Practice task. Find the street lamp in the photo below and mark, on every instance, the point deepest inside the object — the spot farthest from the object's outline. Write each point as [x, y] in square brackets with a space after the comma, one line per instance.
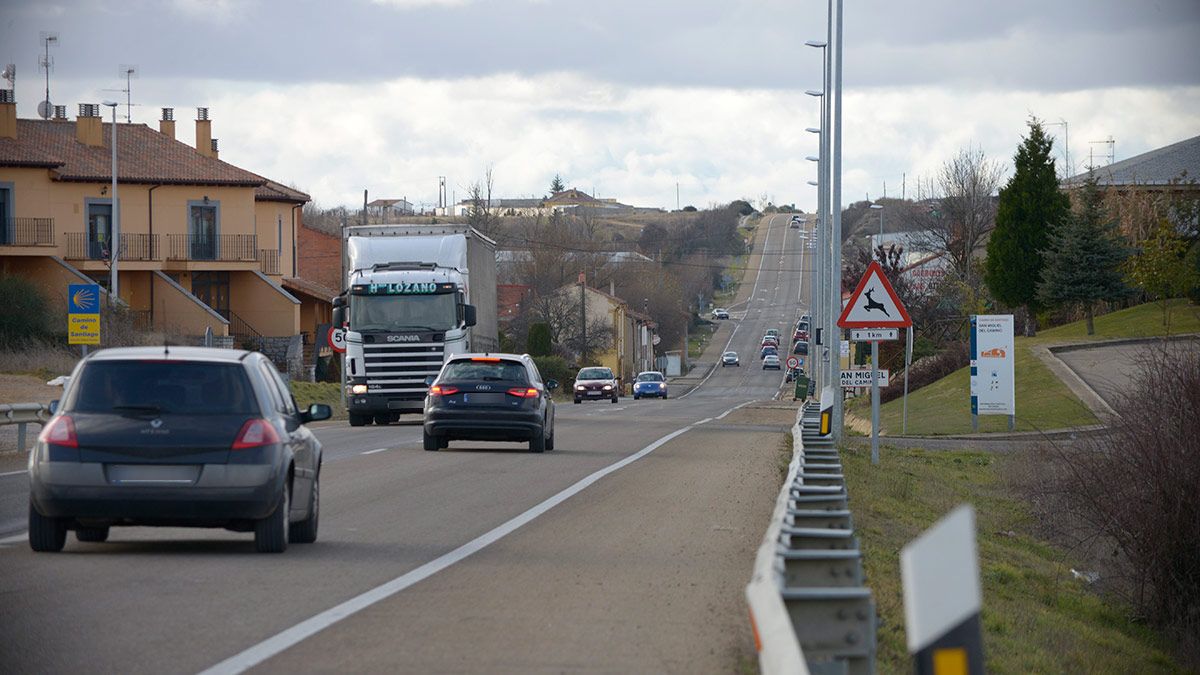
[115, 226]
[879, 208]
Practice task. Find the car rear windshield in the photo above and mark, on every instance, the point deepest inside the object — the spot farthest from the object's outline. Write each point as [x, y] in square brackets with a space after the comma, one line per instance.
[650, 377]
[156, 387]
[595, 374]
[489, 371]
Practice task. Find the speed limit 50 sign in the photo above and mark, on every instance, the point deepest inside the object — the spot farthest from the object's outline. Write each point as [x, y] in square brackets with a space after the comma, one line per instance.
[337, 339]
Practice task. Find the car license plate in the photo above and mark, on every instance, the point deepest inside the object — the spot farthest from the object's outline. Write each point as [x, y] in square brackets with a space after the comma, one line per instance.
[594, 393]
[483, 399]
[162, 474]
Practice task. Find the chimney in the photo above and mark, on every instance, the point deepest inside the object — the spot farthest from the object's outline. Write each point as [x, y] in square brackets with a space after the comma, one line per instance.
[215, 155]
[203, 132]
[8, 114]
[89, 130]
[60, 113]
[166, 126]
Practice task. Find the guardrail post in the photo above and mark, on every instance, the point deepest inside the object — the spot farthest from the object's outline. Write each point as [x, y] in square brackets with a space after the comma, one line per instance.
[21, 437]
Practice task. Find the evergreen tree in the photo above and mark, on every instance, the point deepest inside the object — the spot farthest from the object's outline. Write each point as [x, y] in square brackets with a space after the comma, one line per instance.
[556, 185]
[1083, 262]
[538, 340]
[1029, 210]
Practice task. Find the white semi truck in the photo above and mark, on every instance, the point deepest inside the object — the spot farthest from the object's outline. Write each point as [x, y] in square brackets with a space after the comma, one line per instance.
[414, 295]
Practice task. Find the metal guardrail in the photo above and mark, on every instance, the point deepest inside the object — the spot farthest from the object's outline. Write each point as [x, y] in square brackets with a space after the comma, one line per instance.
[808, 606]
[22, 414]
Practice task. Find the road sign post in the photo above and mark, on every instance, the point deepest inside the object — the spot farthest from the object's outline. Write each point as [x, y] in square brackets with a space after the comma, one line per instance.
[83, 315]
[874, 306]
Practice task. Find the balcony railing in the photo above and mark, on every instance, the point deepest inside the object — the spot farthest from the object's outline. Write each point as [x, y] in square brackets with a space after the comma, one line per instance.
[270, 260]
[26, 231]
[221, 248]
[134, 246]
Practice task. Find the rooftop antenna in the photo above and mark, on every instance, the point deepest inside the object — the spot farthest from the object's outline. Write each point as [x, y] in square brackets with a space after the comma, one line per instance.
[1110, 153]
[47, 64]
[129, 73]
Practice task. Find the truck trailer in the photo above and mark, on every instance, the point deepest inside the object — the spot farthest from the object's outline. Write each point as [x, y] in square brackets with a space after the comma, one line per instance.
[413, 296]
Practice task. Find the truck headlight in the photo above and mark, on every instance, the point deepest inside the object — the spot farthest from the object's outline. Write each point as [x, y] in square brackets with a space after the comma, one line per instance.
[358, 389]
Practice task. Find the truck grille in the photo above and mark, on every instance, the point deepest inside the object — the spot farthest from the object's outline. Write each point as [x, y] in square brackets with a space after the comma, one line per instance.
[401, 369]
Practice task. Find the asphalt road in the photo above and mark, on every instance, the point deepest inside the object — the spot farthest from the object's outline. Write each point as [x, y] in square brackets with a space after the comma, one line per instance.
[1108, 369]
[624, 550]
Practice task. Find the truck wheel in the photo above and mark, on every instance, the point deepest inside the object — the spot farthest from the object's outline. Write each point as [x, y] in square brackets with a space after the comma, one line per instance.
[430, 442]
[357, 420]
[46, 534]
[383, 419]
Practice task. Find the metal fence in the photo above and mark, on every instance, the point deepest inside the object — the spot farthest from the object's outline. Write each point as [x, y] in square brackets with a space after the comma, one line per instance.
[134, 246]
[22, 414]
[810, 609]
[270, 260]
[26, 231]
[223, 247]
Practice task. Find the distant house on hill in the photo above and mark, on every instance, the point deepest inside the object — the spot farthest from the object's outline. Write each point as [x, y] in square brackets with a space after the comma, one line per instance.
[567, 200]
[383, 208]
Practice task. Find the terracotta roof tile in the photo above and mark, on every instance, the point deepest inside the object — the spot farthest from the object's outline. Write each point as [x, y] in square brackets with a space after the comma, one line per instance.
[276, 192]
[310, 288]
[143, 156]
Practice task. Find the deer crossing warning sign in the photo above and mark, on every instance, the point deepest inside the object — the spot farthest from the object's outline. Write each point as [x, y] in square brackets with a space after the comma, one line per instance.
[874, 303]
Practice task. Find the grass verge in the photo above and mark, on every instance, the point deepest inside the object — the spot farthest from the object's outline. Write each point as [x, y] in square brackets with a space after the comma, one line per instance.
[1036, 616]
[329, 393]
[1043, 401]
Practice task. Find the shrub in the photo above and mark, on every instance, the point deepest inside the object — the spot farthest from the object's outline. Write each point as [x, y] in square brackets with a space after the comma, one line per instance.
[25, 312]
[927, 370]
[538, 341]
[1135, 486]
[555, 368]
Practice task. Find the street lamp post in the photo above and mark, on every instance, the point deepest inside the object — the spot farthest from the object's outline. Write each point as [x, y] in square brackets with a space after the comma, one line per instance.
[834, 110]
[818, 355]
[115, 226]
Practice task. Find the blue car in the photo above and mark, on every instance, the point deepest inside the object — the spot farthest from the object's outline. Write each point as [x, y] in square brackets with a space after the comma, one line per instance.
[650, 383]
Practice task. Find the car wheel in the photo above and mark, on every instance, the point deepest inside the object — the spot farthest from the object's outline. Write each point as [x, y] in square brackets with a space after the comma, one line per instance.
[431, 442]
[664, 396]
[443, 442]
[614, 399]
[383, 420]
[97, 535]
[46, 534]
[538, 442]
[271, 533]
[577, 401]
[550, 440]
[636, 397]
[305, 531]
[357, 420]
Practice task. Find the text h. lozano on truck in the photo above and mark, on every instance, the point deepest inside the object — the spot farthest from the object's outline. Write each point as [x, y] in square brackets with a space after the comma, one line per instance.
[415, 295]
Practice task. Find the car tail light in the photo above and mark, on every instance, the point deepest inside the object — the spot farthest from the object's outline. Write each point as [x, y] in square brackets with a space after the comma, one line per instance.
[485, 359]
[60, 431]
[522, 392]
[442, 390]
[256, 433]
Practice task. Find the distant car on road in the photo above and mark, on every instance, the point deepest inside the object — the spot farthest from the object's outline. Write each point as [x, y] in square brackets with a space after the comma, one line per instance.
[768, 351]
[650, 383]
[770, 341]
[770, 362]
[773, 332]
[800, 348]
[720, 313]
[796, 221]
[181, 437]
[800, 336]
[489, 397]
[730, 359]
[596, 383]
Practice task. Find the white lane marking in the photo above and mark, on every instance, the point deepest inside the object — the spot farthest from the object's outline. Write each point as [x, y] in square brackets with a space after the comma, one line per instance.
[372, 452]
[757, 276]
[24, 536]
[281, 641]
[743, 405]
[15, 473]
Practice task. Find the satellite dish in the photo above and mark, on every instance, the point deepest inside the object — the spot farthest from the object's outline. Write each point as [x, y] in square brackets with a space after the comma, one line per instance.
[10, 73]
[45, 109]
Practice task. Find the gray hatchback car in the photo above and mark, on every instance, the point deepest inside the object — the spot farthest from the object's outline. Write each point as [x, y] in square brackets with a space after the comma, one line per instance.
[176, 436]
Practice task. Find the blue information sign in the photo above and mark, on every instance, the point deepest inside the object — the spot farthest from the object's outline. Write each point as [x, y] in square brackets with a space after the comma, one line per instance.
[83, 314]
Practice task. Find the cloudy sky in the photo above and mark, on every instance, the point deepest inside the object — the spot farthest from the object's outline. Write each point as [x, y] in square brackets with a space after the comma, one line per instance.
[621, 97]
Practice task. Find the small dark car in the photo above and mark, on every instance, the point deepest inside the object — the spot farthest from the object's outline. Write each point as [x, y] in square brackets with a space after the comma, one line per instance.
[596, 383]
[176, 436]
[490, 397]
[768, 351]
[800, 348]
[730, 359]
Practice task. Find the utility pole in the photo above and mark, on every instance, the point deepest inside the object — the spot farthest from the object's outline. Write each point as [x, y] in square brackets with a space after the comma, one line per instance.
[364, 213]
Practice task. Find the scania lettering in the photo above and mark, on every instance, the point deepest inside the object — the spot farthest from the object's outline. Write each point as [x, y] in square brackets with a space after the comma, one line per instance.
[415, 295]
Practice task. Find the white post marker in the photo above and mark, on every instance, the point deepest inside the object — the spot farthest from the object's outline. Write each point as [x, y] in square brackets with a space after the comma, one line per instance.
[942, 597]
[874, 305]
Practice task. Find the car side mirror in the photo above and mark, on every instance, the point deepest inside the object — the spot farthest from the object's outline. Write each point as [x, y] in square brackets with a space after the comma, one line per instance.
[552, 384]
[317, 412]
[53, 406]
[429, 381]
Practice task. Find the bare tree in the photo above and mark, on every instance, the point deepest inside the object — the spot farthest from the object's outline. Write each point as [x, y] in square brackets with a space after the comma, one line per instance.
[479, 213]
[965, 210]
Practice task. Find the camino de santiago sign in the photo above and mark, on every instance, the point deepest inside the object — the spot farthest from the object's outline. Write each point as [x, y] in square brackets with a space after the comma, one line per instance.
[992, 357]
[83, 314]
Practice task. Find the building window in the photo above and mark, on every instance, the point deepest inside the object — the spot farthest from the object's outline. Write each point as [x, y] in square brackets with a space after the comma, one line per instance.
[204, 230]
[99, 229]
[212, 288]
